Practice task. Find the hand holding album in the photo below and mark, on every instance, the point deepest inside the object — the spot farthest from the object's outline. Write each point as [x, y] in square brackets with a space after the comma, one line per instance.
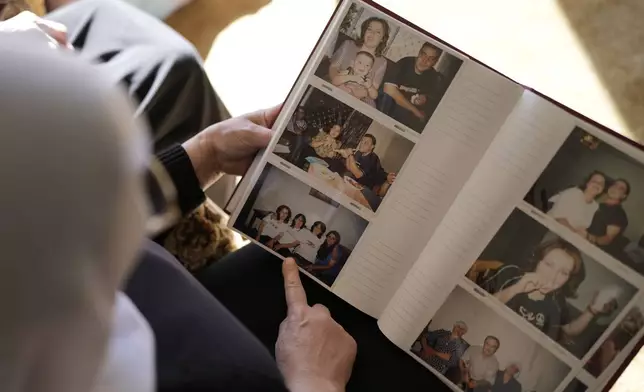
[466, 178]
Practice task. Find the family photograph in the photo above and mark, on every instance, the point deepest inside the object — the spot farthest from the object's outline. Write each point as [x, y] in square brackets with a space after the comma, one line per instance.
[343, 148]
[294, 220]
[384, 65]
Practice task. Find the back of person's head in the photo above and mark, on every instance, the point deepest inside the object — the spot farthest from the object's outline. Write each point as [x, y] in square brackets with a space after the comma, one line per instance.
[72, 207]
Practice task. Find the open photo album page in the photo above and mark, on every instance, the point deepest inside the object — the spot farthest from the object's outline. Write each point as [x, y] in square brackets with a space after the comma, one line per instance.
[395, 155]
[386, 124]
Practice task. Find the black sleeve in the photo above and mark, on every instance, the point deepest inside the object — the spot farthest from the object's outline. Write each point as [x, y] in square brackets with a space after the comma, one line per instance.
[179, 167]
[619, 219]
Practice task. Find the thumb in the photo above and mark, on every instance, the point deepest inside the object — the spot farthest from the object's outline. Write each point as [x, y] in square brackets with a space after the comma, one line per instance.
[258, 137]
[265, 118]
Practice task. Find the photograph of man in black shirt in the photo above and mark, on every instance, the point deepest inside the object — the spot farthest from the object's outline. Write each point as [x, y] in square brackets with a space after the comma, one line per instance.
[363, 165]
[413, 88]
[610, 220]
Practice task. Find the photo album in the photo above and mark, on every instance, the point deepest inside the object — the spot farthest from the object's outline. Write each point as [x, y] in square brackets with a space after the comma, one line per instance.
[494, 235]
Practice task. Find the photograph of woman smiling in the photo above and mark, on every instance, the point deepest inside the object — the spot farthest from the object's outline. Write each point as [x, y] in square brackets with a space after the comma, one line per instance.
[310, 242]
[284, 243]
[374, 35]
[538, 292]
[575, 207]
[273, 224]
[327, 264]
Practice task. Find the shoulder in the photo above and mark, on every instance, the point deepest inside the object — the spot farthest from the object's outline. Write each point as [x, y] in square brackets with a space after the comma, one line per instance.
[504, 277]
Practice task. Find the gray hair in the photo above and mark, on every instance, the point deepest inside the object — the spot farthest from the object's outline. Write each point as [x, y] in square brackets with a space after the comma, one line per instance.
[461, 324]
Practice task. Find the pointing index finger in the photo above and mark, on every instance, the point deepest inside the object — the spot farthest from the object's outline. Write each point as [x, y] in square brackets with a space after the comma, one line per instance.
[295, 294]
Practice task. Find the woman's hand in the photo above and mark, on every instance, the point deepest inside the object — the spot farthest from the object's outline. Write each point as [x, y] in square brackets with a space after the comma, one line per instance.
[528, 283]
[313, 352]
[229, 146]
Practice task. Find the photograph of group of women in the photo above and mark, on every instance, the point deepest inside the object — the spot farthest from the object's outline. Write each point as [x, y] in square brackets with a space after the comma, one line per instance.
[294, 220]
[596, 191]
[342, 147]
[550, 283]
[389, 68]
[479, 351]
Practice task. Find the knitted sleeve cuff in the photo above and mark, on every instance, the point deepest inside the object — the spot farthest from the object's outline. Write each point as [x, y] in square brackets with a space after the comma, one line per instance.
[178, 165]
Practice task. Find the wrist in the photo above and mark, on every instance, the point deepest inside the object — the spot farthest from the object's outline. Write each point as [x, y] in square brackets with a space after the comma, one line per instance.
[203, 160]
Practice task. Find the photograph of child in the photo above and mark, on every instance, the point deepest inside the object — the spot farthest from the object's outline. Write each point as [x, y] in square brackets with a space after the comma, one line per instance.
[616, 342]
[550, 283]
[596, 191]
[292, 219]
[386, 66]
[479, 351]
[342, 147]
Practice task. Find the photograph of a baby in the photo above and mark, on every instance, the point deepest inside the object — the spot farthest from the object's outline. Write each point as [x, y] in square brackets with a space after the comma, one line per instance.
[343, 148]
[294, 220]
[593, 189]
[550, 283]
[382, 64]
[356, 79]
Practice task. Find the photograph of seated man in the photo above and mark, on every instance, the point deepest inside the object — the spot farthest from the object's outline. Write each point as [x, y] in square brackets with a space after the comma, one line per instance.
[505, 379]
[550, 284]
[299, 134]
[590, 188]
[443, 348]
[483, 352]
[383, 64]
[350, 152]
[292, 219]
[479, 365]
[412, 88]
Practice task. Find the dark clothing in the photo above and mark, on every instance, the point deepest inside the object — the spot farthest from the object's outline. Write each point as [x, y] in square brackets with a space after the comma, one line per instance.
[199, 344]
[373, 173]
[403, 75]
[610, 215]
[158, 68]
[499, 386]
[249, 283]
[548, 315]
[440, 341]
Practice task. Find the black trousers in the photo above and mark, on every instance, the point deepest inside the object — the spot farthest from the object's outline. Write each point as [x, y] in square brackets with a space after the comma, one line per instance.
[158, 68]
